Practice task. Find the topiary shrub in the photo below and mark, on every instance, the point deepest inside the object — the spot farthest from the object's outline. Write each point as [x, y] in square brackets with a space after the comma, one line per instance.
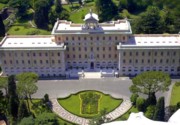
[134, 98]
[140, 104]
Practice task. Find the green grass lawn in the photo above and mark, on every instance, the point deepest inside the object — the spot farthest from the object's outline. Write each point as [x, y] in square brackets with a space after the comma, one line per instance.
[72, 104]
[23, 30]
[77, 13]
[175, 95]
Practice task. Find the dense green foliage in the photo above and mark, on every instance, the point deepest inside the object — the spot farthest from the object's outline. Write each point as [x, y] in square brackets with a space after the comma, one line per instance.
[106, 9]
[140, 104]
[58, 6]
[133, 98]
[150, 110]
[42, 8]
[22, 110]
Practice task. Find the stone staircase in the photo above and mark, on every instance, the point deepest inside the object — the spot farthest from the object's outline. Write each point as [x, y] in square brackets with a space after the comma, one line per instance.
[92, 75]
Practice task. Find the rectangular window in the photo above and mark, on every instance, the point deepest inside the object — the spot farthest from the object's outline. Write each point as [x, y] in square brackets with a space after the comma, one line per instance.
[39, 54]
[52, 61]
[103, 48]
[59, 61]
[17, 62]
[34, 54]
[137, 53]
[97, 48]
[22, 61]
[79, 48]
[73, 49]
[58, 54]
[46, 54]
[34, 61]
[28, 61]
[79, 56]
[103, 56]
[41, 62]
[46, 61]
[109, 48]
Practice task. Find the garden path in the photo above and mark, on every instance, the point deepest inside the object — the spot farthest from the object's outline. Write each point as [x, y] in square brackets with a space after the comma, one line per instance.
[58, 109]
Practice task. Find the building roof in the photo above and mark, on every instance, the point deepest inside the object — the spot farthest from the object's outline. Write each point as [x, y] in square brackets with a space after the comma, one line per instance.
[29, 42]
[112, 27]
[91, 16]
[152, 41]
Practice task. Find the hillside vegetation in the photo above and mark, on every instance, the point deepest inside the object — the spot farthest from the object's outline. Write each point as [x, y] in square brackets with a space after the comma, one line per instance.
[146, 16]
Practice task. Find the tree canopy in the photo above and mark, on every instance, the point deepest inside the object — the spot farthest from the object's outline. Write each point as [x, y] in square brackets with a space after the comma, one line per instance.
[26, 84]
[149, 22]
[150, 82]
[42, 8]
[106, 9]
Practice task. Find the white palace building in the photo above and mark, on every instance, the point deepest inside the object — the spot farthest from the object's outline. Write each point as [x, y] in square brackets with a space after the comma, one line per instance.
[109, 48]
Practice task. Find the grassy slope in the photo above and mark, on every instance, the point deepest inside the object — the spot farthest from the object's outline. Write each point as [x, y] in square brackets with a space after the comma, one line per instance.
[175, 95]
[22, 30]
[72, 104]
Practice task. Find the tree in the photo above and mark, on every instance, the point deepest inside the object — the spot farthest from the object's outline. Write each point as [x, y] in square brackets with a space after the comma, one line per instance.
[150, 82]
[4, 84]
[140, 104]
[160, 110]
[42, 8]
[149, 22]
[58, 6]
[151, 100]
[20, 5]
[106, 9]
[80, 2]
[133, 98]
[122, 5]
[22, 111]
[150, 111]
[13, 98]
[26, 85]
[2, 27]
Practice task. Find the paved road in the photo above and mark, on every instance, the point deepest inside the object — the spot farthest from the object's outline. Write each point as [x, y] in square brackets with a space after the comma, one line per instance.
[117, 87]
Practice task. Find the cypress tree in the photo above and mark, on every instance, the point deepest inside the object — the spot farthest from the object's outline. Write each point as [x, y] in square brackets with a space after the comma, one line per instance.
[2, 27]
[13, 98]
[160, 110]
[22, 111]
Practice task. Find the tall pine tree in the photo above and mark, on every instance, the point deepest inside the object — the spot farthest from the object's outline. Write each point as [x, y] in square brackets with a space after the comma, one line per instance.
[2, 27]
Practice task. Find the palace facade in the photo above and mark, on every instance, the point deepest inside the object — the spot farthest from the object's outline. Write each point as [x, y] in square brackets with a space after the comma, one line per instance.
[108, 47]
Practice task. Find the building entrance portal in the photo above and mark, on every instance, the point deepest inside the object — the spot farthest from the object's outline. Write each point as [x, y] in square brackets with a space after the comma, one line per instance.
[92, 65]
